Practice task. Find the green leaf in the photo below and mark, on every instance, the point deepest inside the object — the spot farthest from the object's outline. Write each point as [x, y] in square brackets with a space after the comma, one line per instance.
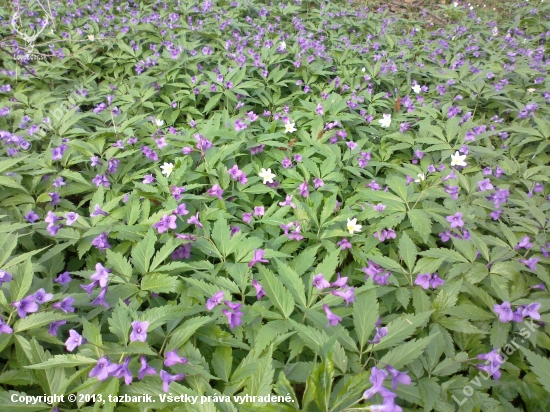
[143, 252]
[420, 222]
[119, 263]
[222, 361]
[160, 283]
[540, 366]
[22, 280]
[65, 361]
[430, 391]
[277, 294]
[459, 325]
[365, 315]
[37, 320]
[302, 262]
[407, 250]
[292, 281]
[221, 234]
[164, 252]
[186, 330]
[447, 254]
[406, 353]
[120, 322]
[402, 328]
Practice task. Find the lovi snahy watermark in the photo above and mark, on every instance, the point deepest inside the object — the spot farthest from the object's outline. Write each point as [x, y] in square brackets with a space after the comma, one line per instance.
[29, 39]
[493, 361]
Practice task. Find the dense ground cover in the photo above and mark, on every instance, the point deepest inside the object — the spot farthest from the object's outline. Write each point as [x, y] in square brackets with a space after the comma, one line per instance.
[310, 200]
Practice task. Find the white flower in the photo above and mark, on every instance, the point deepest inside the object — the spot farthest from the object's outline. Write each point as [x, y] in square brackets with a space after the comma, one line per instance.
[167, 169]
[385, 122]
[353, 226]
[454, 4]
[363, 70]
[416, 88]
[494, 32]
[91, 37]
[289, 127]
[421, 176]
[266, 175]
[283, 45]
[458, 160]
[531, 90]
[159, 122]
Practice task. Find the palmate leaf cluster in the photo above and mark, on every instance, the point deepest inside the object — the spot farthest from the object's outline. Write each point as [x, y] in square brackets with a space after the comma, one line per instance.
[161, 62]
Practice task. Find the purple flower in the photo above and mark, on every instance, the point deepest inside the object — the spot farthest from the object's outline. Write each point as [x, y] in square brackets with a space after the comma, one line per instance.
[344, 244]
[101, 242]
[5, 277]
[380, 333]
[183, 252]
[320, 282]
[234, 318]
[331, 317]
[317, 183]
[259, 211]
[258, 257]
[181, 210]
[398, 377]
[485, 185]
[101, 275]
[288, 202]
[259, 289]
[524, 243]
[54, 326]
[172, 358]
[303, 188]
[145, 369]
[71, 218]
[5, 328]
[216, 191]
[103, 369]
[31, 217]
[195, 220]
[215, 300]
[40, 296]
[346, 294]
[531, 310]
[65, 305]
[165, 223]
[123, 371]
[97, 211]
[139, 331]
[436, 281]
[247, 217]
[455, 220]
[377, 377]
[531, 263]
[423, 280]
[167, 379]
[75, 340]
[504, 312]
[25, 306]
[100, 299]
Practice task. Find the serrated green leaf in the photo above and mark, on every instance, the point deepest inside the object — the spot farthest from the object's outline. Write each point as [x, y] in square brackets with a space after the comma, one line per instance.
[407, 250]
[409, 351]
[276, 292]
